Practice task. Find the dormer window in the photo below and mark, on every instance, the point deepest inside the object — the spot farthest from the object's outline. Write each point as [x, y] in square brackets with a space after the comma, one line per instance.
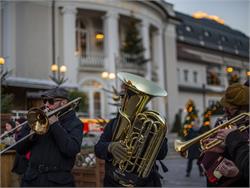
[224, 38]
[206, 34]
[188, 28]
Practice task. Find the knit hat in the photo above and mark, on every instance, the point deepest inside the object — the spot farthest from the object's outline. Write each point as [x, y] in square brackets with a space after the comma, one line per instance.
[236, 95]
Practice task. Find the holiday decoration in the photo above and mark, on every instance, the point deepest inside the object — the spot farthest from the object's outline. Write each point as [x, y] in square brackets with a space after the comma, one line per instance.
[190, 118]
[215, 108]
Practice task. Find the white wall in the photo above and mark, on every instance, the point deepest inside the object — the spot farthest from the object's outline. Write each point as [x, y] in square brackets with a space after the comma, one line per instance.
[191, 67]
[33, 40]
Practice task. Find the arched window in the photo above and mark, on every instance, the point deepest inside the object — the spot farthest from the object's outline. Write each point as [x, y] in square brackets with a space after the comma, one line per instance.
[81, 38]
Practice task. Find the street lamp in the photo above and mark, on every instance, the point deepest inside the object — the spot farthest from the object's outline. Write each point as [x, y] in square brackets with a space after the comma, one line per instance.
[2, 61]
[229, 69]
[58, 74]
[108, 75]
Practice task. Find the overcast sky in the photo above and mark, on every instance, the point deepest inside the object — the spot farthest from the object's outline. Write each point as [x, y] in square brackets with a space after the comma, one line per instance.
[235, 13]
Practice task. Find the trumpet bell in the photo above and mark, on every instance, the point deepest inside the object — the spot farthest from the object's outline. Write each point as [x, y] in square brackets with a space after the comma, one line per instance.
[38, 121]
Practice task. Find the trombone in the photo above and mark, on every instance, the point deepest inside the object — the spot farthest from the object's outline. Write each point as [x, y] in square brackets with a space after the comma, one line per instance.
[38, 121]
[182, 147]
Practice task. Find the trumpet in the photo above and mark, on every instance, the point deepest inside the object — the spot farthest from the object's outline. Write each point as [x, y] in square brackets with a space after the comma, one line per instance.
[182, 147]
[38, 121]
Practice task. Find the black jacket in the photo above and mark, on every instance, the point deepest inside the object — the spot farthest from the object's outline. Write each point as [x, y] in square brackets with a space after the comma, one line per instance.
[53, 154]
[194, 150]
[238, 150]
[101, 151]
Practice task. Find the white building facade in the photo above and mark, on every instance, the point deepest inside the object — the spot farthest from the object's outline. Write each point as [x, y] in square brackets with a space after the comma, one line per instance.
[37, 34]
[87, 36]
[210, 57]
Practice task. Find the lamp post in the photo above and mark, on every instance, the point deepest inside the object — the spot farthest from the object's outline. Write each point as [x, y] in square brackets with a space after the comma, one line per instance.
[58, 74]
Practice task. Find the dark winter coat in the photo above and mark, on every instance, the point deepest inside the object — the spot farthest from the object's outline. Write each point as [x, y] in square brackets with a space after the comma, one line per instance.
[52, 154]
[194, 150]
[20, 164]
[101, 151]
[238, 150]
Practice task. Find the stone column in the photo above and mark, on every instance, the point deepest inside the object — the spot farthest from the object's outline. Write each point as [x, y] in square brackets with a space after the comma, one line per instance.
[69, 58]
[170, 71]
[158, 49]
[111, 40]
[9, 35]
[111, 49]
[145, 41]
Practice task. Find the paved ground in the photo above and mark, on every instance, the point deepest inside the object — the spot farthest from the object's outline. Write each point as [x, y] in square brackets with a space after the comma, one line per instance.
[175, 177]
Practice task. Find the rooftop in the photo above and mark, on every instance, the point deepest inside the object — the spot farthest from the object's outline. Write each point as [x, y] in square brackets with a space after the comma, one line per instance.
[212, 35]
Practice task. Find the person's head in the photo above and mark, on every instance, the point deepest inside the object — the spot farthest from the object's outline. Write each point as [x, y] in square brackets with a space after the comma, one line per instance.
[235, 99]
[10, 125]
[55, 98]
[20, 121]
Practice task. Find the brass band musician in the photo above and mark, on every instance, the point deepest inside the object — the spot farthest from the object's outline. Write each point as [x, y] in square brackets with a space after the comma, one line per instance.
[53, 153]
[107, 150]
[223, 164]
[122, 152]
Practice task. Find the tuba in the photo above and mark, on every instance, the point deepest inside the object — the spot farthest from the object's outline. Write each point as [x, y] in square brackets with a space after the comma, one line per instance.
[142, 132]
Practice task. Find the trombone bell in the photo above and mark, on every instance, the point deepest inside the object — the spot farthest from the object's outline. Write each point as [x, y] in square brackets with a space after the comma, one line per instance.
[38, 121]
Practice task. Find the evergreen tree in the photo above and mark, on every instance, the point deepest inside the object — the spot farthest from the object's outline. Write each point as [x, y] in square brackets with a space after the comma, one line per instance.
[177, 124]
[133, 47]
[190, 117]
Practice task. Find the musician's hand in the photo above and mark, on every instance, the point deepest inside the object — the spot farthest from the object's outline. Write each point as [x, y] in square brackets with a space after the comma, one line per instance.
[118, 150]
[53, 119]
[227, 168]
[222, 133]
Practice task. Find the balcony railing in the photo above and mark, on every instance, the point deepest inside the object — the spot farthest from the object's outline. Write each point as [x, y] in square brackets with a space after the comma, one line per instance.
[125, 63]
[92, 60]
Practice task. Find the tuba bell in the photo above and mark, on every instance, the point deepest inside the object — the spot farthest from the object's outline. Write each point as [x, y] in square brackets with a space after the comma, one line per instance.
[142, 132]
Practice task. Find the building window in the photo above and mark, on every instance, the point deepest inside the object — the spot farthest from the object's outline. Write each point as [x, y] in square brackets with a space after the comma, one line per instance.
[185, 75]
[212, 102]
[234, 76]
[195, 74]
[213, 77]
[81, 38]
[178, 74]
[223, 38]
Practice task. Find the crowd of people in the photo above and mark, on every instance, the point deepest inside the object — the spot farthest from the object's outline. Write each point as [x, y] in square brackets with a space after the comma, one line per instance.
[47, 159]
